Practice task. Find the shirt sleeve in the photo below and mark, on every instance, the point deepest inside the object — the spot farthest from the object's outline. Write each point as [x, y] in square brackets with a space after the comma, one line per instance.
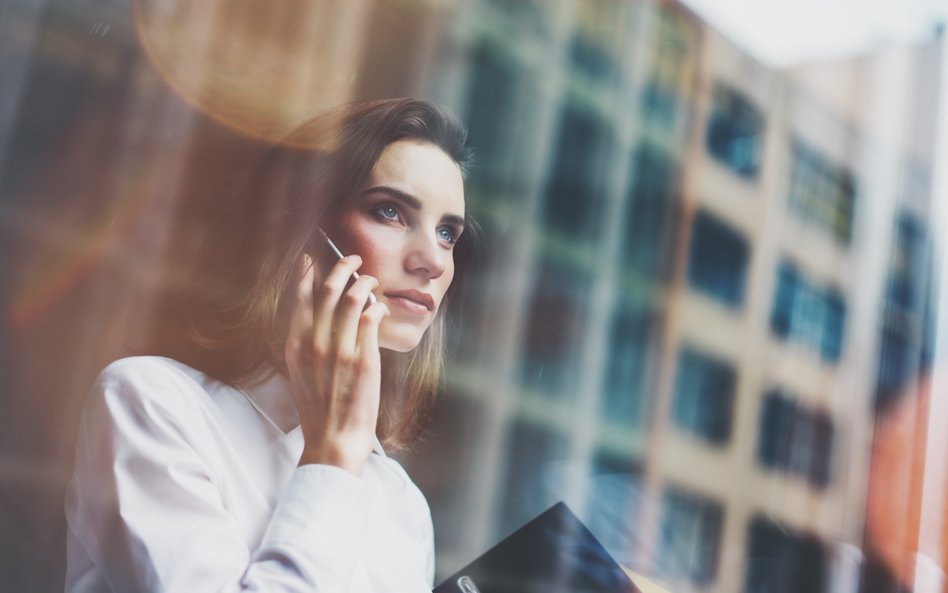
[145, 505]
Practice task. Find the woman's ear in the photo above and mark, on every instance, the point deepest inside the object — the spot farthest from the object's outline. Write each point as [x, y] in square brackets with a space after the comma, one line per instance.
[305, 263]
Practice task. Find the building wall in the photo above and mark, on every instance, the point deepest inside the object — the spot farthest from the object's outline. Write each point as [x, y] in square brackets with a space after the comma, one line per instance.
[568, 445]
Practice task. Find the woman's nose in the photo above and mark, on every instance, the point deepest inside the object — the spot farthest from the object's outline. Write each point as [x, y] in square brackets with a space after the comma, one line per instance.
[426, 255]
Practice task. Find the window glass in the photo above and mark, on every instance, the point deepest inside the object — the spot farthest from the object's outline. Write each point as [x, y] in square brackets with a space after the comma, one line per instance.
[795, 438]
[703, 308]
[651, 204]
[533, 479]
[822, 192]
[690, 530]
[575, 197]
[556, 319]
[671, 64]
[626, 378]
[718, 258]
[704, 396]
[782, 560]
[809, 314]
[735, 131]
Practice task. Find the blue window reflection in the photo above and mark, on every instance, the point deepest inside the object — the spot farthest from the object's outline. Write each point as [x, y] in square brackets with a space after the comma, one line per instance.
[532, 483]
[822, 192]
[704, 396]
[717, 261]
[782, 560]
[690, 530]
[803, 312]
[557, 317]
[579, 173]
[652, 201]
[795, 438]
[626, 374]
[735, 130]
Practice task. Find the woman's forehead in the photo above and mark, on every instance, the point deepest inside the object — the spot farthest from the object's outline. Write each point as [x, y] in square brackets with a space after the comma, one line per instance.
[422, 170]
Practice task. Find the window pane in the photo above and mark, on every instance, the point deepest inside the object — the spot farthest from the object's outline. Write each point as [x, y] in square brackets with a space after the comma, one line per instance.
[652, 201]
[690, 531]
[704, 394]
[809, 314]
[734, 133]
[781, 560]
[554, 328]
[822, 192]
[717, 261]
[576, 191]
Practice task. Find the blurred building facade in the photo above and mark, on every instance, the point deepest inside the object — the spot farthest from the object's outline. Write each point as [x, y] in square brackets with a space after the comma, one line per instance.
[708, 274]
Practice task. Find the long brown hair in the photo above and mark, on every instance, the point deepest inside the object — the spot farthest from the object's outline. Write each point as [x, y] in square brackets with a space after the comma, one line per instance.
[234, 312]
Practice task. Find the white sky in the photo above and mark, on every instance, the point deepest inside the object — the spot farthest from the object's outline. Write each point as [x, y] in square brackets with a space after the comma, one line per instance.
[784, 32]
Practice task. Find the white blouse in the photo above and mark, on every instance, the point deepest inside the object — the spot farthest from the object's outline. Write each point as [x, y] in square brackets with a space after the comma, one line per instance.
[183, 483]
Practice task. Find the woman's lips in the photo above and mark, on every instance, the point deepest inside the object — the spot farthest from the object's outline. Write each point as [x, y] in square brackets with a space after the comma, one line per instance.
[411, 301]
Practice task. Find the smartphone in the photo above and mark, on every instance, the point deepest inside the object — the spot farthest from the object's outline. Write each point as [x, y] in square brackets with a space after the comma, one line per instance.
[339, 255]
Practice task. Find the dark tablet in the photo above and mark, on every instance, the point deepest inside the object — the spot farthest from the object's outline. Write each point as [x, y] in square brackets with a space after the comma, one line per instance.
[554, 553]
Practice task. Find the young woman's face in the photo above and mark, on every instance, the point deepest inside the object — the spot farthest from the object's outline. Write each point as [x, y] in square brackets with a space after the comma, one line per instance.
[404, 222]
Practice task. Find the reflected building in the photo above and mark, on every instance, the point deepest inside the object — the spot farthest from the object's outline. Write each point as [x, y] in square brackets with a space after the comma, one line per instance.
[706, 273]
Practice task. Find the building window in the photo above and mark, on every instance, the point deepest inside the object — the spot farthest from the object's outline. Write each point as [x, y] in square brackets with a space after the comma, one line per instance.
[735, 131]
[689, 537]
[554, 332]
[530, 16]
[906, 283]
[650, 205]
[808, 314]
[670, 65]
[822, 192]
[533, 483]
[626, 373]
[591, 58]
[908, 330]
[795, 439]
[899, 362]
[717, 262]
[491, 122]
[780, 560]
[575, 195]
[614, 503]
[596, 42]
[704, 396]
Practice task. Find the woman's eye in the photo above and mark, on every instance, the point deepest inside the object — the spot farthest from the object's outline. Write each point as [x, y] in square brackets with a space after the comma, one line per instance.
[387, 211]
[448, 235]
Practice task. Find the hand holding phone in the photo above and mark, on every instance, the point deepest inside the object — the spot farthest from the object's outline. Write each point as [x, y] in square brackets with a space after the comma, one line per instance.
[334, 364]
[335, 250]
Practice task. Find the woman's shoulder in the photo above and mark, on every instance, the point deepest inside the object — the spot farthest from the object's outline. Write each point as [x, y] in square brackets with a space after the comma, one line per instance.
[148, 380]
[149, 366]
[146, 370]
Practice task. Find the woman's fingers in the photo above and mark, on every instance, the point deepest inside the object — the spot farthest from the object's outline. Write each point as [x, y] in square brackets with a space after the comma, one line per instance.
[368, 338]
[327, 294]
[334, 364]
[301, 320]
[349, 313]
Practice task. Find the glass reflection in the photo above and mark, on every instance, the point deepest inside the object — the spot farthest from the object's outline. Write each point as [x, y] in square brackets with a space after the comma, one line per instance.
[706, 315]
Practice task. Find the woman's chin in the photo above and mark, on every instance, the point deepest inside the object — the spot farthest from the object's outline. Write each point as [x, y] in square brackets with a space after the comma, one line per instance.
[401, 341]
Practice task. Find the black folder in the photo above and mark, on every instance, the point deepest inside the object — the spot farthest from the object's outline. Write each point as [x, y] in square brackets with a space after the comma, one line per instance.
[554, 553]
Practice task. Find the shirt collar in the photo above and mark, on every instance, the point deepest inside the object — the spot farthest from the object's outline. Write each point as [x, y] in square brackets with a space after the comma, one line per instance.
[272, 397]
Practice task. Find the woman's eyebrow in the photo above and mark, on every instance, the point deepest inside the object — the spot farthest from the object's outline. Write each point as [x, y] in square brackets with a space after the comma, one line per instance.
[407, 199]
[410, 201]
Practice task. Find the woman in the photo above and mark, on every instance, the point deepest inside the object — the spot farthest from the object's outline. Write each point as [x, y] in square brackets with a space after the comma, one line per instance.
[252, 460]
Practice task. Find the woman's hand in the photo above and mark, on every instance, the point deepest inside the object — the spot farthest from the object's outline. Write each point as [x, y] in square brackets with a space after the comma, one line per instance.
[334, 366]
